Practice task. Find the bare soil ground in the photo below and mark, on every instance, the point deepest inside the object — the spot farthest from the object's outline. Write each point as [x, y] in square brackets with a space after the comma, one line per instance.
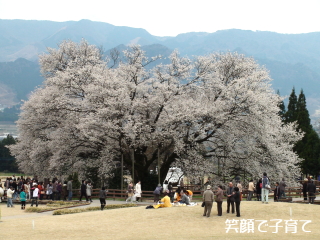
[167, 223]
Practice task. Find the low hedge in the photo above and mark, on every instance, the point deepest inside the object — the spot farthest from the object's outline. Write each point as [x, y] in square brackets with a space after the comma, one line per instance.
[89, 209]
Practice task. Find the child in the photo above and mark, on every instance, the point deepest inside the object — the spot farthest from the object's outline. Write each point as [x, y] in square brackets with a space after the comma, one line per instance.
[237, 200]
[23, 196]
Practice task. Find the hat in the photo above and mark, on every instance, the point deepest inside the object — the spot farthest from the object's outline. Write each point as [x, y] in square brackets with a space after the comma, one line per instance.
[208, 187]
[34, 184]
[306, 179]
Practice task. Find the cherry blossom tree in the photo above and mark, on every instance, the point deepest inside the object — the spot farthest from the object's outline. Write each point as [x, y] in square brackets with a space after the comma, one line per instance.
[214, 114]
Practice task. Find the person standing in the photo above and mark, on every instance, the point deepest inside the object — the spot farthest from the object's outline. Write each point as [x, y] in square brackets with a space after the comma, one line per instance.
[219, 200]
[23, 198]
[54, 189]
[130, 192]
[258, 189]
[59, 190]
[35, 195]
[181, 183]
[265, 190]
[276, 193]
[208, 183]
[64, 193]
[282, 187]
[89, 191]
[41, 190]
[251, 189]
[27, 188]
[15, 188]
[230, 198]
[207, 198]
[304, 189]
[69, 189]
[311, 188]
[138, 191]
[157, 193]
[240, 189]
[165, 186]
[10, 192]
[83, 191]
[237, 200]
[102, 197]
[49, 191]
[1, 192]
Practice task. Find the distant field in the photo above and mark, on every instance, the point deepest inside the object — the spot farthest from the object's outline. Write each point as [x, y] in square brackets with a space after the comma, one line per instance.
[10, 174]
[8, 128]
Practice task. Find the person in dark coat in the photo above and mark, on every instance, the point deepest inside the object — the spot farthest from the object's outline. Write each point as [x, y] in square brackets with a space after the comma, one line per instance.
[219, 200]
[311, 188]
[230, 198]
[83, 191]
[237, 200]
[276, 195]
[258, 189]
[102, 197]
[282, 186]
[304, 189]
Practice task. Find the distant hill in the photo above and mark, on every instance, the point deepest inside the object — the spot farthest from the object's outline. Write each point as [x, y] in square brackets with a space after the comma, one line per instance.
[293, 59]
[18, 79]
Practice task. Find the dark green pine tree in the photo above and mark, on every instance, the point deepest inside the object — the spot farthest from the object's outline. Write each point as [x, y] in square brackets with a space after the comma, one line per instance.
[291, 114]
[282, 109]
[308, 148]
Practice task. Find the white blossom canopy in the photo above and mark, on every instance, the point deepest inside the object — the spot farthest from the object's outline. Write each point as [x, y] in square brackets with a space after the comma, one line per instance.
[214, 114]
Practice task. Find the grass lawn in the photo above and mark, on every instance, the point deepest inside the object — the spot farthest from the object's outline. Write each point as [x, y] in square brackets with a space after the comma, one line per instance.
[167, 223]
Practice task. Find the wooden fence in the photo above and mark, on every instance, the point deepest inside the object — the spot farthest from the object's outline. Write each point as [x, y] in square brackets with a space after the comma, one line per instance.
[116, 194]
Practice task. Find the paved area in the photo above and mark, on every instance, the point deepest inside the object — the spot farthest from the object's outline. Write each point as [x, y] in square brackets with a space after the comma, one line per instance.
[95, 203]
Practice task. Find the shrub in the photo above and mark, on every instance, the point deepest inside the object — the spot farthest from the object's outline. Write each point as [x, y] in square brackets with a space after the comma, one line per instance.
[89, 209]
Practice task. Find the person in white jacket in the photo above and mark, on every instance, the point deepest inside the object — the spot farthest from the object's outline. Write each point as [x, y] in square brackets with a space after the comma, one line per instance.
[35, 195]
[10, 192]
[138, 191]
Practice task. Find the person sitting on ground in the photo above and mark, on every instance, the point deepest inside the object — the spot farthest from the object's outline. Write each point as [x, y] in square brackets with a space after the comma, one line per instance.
[184, 198]
[177, 196]
[165, 201]
[189, 194]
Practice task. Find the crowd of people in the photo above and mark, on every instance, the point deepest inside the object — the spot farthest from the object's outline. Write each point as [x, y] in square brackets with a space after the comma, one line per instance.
[23, 189]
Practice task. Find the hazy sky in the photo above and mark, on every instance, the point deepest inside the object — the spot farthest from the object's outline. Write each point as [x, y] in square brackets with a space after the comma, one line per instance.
[169, 18]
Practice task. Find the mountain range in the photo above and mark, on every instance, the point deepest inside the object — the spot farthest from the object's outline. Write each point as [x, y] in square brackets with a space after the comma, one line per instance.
[292, 59]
